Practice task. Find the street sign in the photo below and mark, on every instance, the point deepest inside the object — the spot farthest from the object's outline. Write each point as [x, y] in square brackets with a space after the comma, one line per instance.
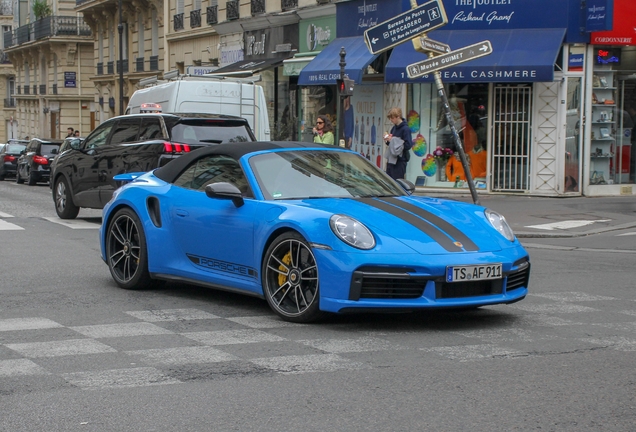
[424, 44]
[452, 58]
[405, 26]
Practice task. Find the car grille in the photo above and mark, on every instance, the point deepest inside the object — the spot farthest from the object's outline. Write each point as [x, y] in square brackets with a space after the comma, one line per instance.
[383, 283]
[445, 290]
[518, 279]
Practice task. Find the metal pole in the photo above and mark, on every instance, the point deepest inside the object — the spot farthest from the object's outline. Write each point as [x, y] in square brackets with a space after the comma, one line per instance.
[341, 122]
[120, 29]
[458, 142]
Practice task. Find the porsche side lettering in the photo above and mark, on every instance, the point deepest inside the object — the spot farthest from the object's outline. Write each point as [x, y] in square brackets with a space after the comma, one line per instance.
[222, 266]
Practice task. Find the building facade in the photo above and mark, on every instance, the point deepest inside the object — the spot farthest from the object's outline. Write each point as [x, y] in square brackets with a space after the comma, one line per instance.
[51, 53]
[128, 45]
[8, 122]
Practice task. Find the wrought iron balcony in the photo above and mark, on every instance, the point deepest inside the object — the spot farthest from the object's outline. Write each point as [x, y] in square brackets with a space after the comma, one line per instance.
[9, 103]
[257, 7]
[286, 5]
[139, 64]
[178, 22]
[232, 10]
[47, 27]
[8, 39]
[100, 68]
[42, 89]
[54, 89]
[27, 90]
[4, 58]
[212, 15]
[195, 18]
[35, 89]
[110, 68]
[154, 63]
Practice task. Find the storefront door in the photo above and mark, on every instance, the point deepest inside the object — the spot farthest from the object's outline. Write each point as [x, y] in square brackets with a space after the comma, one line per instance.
[626, 114]
[511, 134]
[573, 134]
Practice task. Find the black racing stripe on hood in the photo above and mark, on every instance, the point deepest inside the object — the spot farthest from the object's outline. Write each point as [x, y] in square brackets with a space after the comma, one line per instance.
[451, 230]
[417, 222]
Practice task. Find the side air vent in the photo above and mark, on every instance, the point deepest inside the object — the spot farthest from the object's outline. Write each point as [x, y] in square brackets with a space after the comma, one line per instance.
[154, 211]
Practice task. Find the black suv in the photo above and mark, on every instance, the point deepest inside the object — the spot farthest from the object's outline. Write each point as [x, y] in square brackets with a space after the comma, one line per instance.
[9, 155]
[83, 176]
[34, 161]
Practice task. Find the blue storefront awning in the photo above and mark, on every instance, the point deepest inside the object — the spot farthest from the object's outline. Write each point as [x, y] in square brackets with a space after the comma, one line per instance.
[519, 55]
[325, 68]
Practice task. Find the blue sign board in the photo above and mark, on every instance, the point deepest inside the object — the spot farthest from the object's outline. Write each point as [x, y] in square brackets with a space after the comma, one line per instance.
[598, 15]
[405, 26]
[354, 17]
[515, 14]
[70, 79]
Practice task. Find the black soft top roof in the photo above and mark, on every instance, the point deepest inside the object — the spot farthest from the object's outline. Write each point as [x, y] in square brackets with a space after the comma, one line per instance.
[170, 172]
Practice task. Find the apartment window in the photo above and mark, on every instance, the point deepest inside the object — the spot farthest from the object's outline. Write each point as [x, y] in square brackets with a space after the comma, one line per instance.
[154, 34]
[141, 36]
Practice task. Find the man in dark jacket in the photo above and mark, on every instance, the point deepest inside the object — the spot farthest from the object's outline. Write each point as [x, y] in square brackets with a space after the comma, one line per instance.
[400, 129]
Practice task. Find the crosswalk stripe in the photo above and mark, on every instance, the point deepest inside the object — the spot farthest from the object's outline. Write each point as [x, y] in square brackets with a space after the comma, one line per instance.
[5, 215]
[7, 226]
[73, 223]
[566, 224]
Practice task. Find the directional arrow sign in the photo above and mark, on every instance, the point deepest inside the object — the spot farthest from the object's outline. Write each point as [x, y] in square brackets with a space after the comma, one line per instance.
[405, 26]
[424, 44]
[452, 58]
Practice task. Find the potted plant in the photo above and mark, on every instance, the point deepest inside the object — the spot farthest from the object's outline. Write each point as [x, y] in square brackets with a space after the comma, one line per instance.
[41, 9]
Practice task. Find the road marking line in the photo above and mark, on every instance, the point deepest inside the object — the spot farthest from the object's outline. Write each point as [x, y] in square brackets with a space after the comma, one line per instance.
[289, 365]
[171, 315]
[566, 224]
[230, 337]
[120, 330]
[5, 215]
[626, 234]
[14, 324]
[6, 226]
[182, 355]
[73, 223]
[60, 348]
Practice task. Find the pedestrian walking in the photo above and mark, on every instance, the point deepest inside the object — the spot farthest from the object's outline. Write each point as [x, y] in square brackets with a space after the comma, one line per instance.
[400, 130]
[70, 131]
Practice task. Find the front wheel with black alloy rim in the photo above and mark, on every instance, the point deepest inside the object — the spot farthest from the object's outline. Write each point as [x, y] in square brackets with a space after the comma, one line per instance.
[126, 252]
[64, 206]
[290, 279]
[32, 179]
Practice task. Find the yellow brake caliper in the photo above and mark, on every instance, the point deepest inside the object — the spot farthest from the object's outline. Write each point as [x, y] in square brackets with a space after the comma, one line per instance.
[283, 278]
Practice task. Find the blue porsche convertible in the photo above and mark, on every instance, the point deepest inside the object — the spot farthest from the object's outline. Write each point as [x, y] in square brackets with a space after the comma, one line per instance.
[312, 229]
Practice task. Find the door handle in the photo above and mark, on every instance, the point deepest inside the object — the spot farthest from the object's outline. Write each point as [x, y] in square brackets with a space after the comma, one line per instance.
[182, 213]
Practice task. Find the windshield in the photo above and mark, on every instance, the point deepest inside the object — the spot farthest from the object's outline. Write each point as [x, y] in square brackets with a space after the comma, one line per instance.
[209, 131]
[320, 174]
[15, 148]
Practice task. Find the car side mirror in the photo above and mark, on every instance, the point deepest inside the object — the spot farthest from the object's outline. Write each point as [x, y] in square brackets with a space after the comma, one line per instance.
[225, 190]
[406, 185]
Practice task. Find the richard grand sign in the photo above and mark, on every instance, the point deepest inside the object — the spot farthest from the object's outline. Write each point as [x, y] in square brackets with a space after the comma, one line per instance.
[503, 14]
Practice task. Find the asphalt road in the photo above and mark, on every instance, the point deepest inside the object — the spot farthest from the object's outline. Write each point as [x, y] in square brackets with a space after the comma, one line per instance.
[79, 354]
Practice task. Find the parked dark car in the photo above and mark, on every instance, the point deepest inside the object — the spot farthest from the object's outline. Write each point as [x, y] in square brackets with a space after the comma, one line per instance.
[83, 176]
[9, 155]
[34, 162]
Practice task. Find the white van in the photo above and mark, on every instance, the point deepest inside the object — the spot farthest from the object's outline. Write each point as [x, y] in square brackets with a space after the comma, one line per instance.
[210, 96]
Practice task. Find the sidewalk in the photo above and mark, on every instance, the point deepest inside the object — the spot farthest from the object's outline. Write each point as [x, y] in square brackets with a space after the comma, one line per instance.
[535, 217]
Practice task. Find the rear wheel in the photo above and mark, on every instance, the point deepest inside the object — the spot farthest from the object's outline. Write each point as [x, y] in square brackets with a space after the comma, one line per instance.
[126, 252]
[64, 206]
[290, 279]
[32, 178]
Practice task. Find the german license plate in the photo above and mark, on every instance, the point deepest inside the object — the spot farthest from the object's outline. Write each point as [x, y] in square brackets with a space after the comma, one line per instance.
[471, 273]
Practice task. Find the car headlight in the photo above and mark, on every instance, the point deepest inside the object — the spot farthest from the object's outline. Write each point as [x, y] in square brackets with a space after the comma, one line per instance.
[499, 223]
[352, 232]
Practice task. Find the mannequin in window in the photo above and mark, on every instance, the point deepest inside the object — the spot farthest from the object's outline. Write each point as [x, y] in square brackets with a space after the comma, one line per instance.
[478, 160]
